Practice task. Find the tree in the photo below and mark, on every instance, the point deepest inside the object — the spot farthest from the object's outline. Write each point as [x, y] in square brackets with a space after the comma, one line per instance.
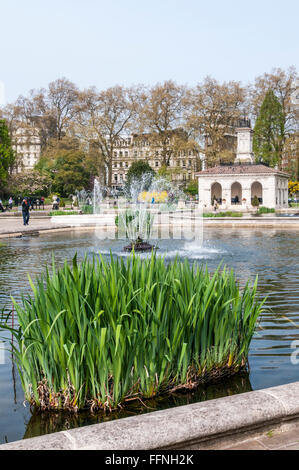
[51, 109]
[255, 202]
[104, 119]
[68, 165]
[61, 100]
[291, 155]
[282, 83]
[192, 188]
[29, 183]
[269, 131]
[160, 118]
[212, 110]
[6, 153]
[137, 170]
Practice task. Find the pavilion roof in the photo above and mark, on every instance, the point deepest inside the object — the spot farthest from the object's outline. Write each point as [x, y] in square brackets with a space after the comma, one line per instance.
[241, 169]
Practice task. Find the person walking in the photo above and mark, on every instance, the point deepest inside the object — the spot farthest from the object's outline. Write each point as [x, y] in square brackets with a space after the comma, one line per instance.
[25, 211]
[10, 203]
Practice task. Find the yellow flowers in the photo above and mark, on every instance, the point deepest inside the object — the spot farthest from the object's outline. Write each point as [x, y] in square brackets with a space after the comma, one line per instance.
[293, 187]
[157, 196]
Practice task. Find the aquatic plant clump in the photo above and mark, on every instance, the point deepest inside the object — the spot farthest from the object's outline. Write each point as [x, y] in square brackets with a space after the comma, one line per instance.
[102, 333]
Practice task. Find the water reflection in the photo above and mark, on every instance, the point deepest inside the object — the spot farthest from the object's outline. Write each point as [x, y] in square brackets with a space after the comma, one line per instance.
[46, 423]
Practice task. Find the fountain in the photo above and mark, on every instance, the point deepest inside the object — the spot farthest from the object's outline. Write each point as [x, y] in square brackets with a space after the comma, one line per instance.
[146, 198]
[90, 201]
[144, 193]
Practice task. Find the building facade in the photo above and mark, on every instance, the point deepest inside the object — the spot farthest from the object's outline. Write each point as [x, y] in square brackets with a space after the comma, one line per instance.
[27, 147]
[183, 164]
[235, 186]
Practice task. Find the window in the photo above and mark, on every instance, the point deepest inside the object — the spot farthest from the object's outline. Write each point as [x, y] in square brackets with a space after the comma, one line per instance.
[157, 164]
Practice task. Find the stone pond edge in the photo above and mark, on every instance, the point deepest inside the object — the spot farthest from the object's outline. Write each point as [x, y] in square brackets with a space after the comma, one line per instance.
[184, 427]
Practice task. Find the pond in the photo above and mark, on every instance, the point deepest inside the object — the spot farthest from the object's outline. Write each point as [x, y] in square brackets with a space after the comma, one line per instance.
[273, 255]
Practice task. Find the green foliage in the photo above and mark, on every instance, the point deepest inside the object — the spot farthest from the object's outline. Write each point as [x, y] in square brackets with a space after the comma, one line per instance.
[265, 210]
[87, 209]
[68, 166]
[102, 332]
[192, 188]
[6, 153]
[134, 223]
[255, 202]
[269, 131]
[137, 170]
[58, 213]
[223, 214]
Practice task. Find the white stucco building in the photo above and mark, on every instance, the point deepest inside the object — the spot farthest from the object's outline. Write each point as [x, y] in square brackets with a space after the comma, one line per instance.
[234, 186]
[27, 146]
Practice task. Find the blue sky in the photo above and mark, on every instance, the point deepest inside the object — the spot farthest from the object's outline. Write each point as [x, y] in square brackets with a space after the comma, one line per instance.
[103, 43]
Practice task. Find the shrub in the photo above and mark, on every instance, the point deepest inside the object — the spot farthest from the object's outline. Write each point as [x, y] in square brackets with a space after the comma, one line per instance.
[265, 210]
[87, 209]
[101, 333]
[223, 214]
[57, 213]
[192, 188]
[255, 202]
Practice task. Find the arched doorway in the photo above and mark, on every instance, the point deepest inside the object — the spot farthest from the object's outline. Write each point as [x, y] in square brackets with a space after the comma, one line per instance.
[236, 193]
[257, 190]
[216, 193]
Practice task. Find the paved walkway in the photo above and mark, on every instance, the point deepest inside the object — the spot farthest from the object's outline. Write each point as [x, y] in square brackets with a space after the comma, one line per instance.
[12, 225]
[273, 440]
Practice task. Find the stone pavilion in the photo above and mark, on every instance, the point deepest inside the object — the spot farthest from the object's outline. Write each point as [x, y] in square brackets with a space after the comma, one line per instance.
[234, 186]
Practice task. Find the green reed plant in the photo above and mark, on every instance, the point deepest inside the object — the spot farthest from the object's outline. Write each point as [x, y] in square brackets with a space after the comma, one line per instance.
[104, 332]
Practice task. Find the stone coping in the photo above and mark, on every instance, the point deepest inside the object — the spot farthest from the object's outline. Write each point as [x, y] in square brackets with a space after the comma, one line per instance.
[225, 222]
[184, 427]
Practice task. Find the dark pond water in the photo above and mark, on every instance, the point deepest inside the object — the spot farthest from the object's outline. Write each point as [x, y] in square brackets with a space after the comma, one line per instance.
[272, 254]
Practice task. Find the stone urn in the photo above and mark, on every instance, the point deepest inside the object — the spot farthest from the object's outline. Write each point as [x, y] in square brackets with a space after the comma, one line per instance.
[181, 204]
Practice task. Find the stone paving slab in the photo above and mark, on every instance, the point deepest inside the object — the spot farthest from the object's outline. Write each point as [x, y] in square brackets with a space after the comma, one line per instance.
[288, 440]
[15, 225]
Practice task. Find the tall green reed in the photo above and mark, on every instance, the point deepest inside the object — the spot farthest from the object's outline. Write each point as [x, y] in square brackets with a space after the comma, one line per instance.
[101, 333]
